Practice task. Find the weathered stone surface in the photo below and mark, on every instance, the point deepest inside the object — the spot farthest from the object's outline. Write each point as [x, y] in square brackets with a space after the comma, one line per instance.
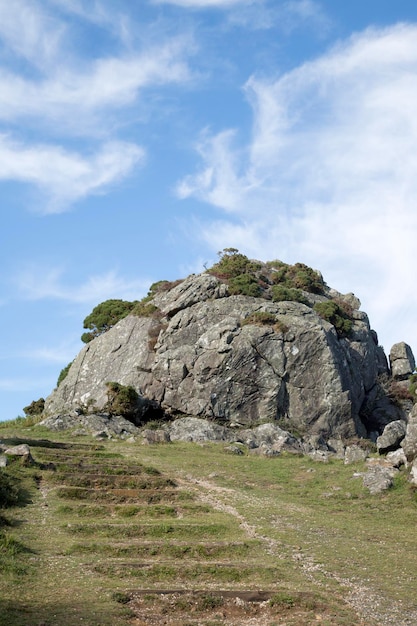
[198, 430]
[20, 450]
[393, 434]
[378, 478]
[3, 460]
[396, 458]
[336, 447]
[121, 354]
[401, 360]
[413, 473]
[102, 425]
[205, 362]
[155, 436]
[409, 443]
[354, 454]
[269, 435]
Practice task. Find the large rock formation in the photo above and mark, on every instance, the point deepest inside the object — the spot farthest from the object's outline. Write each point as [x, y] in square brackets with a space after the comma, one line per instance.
[213, 355]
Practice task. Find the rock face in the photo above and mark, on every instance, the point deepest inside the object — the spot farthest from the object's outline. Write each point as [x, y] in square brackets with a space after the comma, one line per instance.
[393, 434]
[409, 443]
[402, 361]
[196, 356]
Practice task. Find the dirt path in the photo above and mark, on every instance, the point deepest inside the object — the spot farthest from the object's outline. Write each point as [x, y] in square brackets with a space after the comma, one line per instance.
[369, 605]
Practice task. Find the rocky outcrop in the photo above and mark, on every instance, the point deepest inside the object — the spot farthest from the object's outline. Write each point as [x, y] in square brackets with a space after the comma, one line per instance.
[197, 355]
[409, 443]
[393, 434]
[103, 425]
[402, 361]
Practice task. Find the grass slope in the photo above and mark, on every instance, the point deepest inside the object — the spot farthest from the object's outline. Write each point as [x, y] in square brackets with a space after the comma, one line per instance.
[185, 534]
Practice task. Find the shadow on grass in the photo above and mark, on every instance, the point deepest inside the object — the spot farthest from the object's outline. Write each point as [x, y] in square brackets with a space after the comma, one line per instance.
[43, 443]
[18, 613]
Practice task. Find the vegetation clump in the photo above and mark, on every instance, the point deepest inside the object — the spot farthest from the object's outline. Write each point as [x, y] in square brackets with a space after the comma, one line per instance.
[412, 388]
[239, 272]
[63, 373]
[263, 318]
[280, 293]
[246, 285]
[232, 264]
[332, 312]
[122, 399]
[104, 316]
[298, 276]
[35, 408]
[144, 308]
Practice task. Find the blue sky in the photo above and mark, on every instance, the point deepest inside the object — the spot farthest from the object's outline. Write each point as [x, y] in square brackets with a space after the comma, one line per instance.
[140, 137]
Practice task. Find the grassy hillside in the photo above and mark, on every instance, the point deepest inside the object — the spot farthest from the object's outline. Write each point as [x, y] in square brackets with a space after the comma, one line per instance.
[186, 534]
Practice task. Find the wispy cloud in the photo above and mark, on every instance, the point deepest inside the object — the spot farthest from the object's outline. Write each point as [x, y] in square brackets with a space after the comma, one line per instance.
[62, 353]
[66, 95]
[69, 98]
[330, 174]
[262, 14]
[39, 283]
[207, 4]
[67, 176]
[23, 384]
[30, 32]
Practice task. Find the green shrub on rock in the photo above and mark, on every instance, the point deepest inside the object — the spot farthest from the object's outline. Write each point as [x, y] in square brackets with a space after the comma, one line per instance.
[336, 315]
[263, 318]
[63, 373]
[298, 276]
[245, 285]
[280, 293]
[104, 316]
[121, 399]
[232, 264]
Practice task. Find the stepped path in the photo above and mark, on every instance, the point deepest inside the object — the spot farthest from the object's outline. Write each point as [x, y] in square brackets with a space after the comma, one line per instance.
[117, 537]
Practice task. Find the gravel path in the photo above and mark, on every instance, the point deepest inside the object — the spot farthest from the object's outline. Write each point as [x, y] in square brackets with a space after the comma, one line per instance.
[369, 605]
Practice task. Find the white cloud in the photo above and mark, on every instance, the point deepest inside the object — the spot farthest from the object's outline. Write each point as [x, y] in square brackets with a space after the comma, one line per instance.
[40, 283]
[206, 4]
[262, 14]
[62, 353]
[67, 95]
[30, 32]
[330, 175]
[63, 175]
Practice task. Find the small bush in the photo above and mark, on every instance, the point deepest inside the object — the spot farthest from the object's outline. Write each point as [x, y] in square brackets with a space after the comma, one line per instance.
[35, 408]
[121, 399]
[260, 318]
[280, 293]
[413, 386]
[163, 285]
[298, 276]
[144, 308]
[332, 312]
[232, 264]
[263, 318]
[64, 372]
[245, 285]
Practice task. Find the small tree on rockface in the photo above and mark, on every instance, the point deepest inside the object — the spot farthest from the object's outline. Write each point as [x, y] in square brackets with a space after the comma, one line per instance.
[104, 316]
